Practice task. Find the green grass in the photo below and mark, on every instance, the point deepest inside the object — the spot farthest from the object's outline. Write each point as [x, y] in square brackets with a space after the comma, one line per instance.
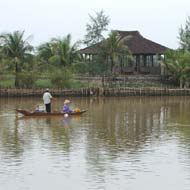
[74, 84]
[7, 84]
[43, 83]
[7, 80]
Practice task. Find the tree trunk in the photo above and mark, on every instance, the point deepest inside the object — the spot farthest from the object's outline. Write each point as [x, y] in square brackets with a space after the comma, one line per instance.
[16, 73]
[16, 67]
[16, 79]
[111, 65]
[181, 82]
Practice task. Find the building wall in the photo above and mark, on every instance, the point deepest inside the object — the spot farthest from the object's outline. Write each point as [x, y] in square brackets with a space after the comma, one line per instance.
[145, 64]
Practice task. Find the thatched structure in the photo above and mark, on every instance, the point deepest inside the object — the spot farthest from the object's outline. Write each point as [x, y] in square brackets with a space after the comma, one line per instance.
[146, 54]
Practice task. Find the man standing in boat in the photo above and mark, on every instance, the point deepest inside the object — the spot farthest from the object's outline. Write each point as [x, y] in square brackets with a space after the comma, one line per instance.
[47, 100]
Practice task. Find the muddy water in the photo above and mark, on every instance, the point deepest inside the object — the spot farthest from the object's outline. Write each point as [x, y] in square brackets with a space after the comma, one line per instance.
[120, 143]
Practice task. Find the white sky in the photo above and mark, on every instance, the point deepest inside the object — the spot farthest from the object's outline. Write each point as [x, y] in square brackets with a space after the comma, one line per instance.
[157, 20]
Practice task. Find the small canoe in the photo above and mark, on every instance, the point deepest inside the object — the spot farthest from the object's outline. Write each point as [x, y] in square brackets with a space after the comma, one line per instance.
[34, 113]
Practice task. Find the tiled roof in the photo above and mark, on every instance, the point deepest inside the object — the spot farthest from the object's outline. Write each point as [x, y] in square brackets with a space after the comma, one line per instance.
[136, 43]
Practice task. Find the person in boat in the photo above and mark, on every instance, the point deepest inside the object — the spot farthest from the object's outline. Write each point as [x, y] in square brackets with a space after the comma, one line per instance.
[66, 108]
[40, 108]
[47, 100]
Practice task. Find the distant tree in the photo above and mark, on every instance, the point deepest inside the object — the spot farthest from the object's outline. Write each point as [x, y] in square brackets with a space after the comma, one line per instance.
[98, 24]
[184, 36]
[15, 48]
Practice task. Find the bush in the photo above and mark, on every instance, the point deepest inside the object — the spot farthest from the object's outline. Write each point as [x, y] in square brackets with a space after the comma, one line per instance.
[80, 67]
[74, 84]
[97, 68]
[26, 79]
[7, 80]
[7, 84]
[43, 83]
[61, 78]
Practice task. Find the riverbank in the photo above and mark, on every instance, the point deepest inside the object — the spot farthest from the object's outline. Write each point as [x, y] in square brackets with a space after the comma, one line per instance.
[87, 92]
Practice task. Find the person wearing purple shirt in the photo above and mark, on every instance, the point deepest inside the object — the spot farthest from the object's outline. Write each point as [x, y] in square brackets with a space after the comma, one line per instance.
[66, 108]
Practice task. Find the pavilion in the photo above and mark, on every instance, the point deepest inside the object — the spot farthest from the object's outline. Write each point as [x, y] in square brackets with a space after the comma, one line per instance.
[146, 54]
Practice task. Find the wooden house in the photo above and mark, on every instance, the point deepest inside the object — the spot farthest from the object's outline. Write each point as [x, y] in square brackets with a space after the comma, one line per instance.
[146, 54]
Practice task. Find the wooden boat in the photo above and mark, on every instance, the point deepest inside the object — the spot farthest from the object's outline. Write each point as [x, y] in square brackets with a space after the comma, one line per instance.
[34, 113]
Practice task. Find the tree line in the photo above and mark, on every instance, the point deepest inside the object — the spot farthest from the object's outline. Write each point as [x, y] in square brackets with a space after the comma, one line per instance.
[59, 58]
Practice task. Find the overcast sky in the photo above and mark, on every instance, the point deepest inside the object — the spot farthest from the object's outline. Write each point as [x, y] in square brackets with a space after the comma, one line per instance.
[157, 20]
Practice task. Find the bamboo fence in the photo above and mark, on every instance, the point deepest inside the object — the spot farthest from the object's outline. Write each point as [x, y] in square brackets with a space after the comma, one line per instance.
[86, 92]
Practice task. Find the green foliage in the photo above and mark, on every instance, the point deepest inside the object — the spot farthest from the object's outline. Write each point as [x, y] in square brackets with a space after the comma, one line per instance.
[178, 64]
[16, 50]
[114, 48]
[7, 80]
[61, 78]
[6, 84]
[26, 79]
[6, 66]
[45, 51]
[43, 83]
[184, 36]
[96, 27]
[15, 47]
[80, 67]
[74, 84]
[97, 68]
[58, 52]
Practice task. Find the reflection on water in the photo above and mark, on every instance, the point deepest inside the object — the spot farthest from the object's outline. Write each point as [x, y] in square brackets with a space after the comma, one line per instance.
[120, 143]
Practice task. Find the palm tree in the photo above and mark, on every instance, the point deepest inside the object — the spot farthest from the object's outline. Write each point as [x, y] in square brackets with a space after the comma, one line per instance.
[44, 55]
[114, 47]
[59, 51]
[178, 64]
[45, 51]
[63, 51]
[15, 48]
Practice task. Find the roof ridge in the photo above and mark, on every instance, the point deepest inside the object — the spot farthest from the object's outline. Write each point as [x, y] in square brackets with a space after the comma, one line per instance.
[134, 33]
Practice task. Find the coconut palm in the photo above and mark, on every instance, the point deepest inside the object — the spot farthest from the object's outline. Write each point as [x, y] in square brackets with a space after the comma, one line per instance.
[178, 64]
[45, 51]
[63, 51]
[16, 49]
[59, 51]
[114, 48]
[44, 55]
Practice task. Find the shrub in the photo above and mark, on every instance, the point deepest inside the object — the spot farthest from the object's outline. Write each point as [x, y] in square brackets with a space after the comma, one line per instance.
[26, 79]
[61, 78]
[6, 84]
[77, 84]
[80, 67]
[43, 83]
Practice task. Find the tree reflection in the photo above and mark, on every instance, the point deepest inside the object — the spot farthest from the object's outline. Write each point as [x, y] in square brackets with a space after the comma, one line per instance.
[113, 128]
[128, 125]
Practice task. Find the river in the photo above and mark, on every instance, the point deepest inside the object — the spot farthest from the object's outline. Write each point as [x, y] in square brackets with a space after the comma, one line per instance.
[135, 143]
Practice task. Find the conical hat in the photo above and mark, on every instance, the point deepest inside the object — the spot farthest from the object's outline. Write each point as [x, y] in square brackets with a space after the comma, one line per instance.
[66, 101]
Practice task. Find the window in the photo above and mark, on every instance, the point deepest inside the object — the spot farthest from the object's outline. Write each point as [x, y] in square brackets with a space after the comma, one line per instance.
[149, 61]
[156, 61]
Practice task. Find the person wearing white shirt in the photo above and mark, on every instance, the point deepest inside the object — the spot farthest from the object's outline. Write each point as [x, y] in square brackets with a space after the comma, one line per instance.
[47, 100]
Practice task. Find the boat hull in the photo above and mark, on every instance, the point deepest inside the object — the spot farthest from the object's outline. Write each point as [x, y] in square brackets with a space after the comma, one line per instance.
[29, 113]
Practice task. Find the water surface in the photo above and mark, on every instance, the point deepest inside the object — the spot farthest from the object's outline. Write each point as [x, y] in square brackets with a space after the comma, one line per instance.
[120, 143]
